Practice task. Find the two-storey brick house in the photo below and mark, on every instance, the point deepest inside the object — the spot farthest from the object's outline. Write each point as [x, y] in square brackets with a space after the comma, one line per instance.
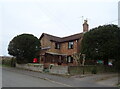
[59, 51]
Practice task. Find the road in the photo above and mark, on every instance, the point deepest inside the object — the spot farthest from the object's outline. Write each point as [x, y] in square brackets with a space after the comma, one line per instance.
[16, 79]
[13, 77]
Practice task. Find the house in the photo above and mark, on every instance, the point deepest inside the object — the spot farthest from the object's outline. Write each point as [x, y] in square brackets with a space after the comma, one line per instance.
[59, 50]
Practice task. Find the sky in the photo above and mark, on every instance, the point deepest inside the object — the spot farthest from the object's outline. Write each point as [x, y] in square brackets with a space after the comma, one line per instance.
[56, 17]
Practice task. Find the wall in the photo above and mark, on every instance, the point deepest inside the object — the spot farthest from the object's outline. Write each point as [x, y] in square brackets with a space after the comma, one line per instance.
[73, 70]
[59, 70]
[79, 45]
[89, 69]
[64, 48]
[33, 67]
[52, 45]
[45, 42]
[65, 70]
[39, 67]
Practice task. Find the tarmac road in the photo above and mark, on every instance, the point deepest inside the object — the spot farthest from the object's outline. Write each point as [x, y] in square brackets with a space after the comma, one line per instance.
[14, 77]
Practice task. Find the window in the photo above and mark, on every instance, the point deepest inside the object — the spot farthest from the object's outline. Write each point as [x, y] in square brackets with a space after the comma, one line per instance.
[70, 45]
[57, 46]
[69, 59]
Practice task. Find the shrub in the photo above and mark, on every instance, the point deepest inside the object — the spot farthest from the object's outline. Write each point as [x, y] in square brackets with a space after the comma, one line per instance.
[9, 62]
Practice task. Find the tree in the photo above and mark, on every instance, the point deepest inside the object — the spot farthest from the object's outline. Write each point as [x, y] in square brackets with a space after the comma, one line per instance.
[24, 47]
[79, 58]
[102, 43]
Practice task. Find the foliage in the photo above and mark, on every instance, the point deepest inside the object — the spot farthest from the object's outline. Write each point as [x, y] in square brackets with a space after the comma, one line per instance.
[102, 43]
[24, 47]
[9, 62]
[77, 57]
[6, 62]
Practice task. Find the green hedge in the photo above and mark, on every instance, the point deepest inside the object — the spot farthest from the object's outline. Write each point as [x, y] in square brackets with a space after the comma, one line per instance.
[9, 62]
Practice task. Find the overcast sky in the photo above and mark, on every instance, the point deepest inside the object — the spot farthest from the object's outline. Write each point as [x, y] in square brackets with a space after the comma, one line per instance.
[56, 17]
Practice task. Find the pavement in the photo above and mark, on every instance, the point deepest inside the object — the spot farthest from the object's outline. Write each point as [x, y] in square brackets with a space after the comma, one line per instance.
[98, 80]
[105, 79]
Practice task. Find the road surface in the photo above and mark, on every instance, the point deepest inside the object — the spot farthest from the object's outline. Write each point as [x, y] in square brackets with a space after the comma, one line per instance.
[16, 79]
[13, 77]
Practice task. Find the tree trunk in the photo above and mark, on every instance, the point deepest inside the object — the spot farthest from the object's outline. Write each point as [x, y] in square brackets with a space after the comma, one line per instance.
[83, 62]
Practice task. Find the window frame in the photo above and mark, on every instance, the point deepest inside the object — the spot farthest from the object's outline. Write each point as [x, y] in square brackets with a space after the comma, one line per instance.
[69, 60]
[57, 45]
[70, 44]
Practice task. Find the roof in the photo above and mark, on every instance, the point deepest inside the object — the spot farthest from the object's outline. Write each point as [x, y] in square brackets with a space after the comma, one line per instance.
[62, 39]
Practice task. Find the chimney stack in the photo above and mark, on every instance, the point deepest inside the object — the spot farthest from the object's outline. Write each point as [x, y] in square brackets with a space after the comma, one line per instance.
[85, 26]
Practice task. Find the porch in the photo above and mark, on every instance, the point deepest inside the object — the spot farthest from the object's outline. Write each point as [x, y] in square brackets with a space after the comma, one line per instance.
[53, 58]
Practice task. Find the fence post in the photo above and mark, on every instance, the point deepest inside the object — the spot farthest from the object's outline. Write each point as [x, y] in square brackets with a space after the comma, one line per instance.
[68, 70]
[83, 70]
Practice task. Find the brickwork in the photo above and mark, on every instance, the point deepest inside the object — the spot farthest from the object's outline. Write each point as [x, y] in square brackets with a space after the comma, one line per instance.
[79, 45]
[63, 47]
[85, 26]
[52, 45]
[45, 42]
[65, 50]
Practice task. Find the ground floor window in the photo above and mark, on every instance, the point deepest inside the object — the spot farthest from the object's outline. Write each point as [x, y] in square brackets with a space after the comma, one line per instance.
[69, 59]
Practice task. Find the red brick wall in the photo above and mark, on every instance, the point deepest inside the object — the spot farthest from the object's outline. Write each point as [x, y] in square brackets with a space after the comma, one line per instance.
[64, 48]
[45, 42]
[53, 48]
[79, 45]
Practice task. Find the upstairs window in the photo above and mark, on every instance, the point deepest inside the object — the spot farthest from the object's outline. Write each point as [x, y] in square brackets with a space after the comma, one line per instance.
[70, 45]
[57, 46]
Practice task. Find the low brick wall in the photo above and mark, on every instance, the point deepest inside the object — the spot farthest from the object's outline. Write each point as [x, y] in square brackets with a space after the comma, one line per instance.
[88, 69]
[73, 70]
[59, 70]
[33, 67]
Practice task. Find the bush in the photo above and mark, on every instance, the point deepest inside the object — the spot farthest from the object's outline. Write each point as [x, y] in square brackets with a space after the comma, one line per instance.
[9, 62]
[13, 62]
